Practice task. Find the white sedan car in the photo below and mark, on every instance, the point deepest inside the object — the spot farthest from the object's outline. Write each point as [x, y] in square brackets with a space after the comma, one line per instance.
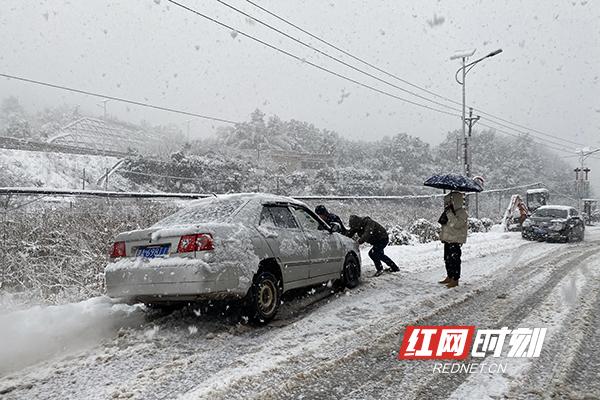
[250, 246]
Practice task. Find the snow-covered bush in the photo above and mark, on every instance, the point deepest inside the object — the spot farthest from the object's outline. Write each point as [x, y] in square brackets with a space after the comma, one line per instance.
[401, 237]
[425, 231]
[58, 251]
[480, 225]
[475, 225]
[487, 223]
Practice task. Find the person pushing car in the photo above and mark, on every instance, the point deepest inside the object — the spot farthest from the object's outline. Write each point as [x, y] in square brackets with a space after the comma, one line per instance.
[371, 232]
[330, 218]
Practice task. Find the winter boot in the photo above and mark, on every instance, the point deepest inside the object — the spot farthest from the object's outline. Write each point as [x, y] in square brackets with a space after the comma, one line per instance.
[378, 273]
[452, 283]
[445, 281]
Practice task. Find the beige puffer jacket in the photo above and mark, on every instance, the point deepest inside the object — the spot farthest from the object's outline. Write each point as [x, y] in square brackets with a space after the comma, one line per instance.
[455, 230]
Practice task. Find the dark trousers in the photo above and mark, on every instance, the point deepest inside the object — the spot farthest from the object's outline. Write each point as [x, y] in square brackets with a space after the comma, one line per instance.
[377, 255]
[452, 253]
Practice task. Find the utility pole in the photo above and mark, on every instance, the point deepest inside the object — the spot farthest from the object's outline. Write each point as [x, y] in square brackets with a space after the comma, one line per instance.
[104, 106]
[582, 175]
[467, 157]
[467, 161]
[464, 121]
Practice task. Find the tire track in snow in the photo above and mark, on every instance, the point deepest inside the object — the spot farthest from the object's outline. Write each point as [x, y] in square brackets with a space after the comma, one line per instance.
[569, 364]
[298, 369]
[510, 316]
[373, 372]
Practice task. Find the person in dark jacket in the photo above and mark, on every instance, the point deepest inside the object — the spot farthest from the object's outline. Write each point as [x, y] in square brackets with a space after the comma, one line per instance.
[330, 218]
[371, 232]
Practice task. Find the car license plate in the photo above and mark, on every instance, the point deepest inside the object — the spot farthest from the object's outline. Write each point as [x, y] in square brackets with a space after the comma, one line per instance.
[540, 231]
[152, 251]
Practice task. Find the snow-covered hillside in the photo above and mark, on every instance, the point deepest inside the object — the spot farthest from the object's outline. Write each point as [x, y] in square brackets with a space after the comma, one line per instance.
[57, 170]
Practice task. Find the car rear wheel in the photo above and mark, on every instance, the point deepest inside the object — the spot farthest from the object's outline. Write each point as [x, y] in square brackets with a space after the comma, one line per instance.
[264, 298]
[351, 272]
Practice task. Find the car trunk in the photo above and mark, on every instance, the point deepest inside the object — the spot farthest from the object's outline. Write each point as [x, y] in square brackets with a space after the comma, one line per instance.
[157, 241]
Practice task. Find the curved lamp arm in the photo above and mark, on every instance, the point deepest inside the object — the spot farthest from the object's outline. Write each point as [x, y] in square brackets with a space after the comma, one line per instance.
[472, 64]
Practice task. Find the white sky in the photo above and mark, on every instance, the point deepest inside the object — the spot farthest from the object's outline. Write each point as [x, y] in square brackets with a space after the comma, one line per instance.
[547, 77]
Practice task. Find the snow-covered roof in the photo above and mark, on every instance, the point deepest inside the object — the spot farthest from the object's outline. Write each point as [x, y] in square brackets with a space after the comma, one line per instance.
[537, 190]
[98, 134]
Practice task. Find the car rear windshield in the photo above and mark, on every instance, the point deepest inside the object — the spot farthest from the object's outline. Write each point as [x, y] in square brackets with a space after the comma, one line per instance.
[550, 213]
[207, 211]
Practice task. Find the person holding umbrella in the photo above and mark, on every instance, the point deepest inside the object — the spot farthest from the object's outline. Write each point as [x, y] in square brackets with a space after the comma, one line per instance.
[453, 235]
[454, 219]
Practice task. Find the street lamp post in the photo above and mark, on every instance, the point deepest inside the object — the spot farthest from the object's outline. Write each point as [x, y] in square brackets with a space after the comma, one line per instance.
[465, 69]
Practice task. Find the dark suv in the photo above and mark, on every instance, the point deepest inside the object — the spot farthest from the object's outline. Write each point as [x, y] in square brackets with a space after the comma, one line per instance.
[560, 223]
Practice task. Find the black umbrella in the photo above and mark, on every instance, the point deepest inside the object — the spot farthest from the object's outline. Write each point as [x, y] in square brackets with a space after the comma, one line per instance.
[455, 182]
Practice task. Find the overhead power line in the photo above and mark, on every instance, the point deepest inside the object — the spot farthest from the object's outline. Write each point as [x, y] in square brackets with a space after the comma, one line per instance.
[562, 145]
[524, 127]
[335, 58]
[550, 146]
[361, 60]
[298, 58]
[123, 100]
[392, 75]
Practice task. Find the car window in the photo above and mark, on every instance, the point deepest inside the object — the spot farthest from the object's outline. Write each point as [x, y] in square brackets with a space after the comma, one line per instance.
[306, 220]
[210, 210]
[281, 217]
[266, 218]
[550, 213]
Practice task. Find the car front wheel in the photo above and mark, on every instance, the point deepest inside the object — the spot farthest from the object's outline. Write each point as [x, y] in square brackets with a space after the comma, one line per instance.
[264, 298]
[351, 272]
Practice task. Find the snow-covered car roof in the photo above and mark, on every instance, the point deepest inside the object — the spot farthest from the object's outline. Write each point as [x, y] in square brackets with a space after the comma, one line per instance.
[263, 197]
[537, 191]
[223, 209]
[551, 207]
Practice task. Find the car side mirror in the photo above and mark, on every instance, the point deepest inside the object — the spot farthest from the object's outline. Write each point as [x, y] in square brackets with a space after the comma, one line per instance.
[335, 228]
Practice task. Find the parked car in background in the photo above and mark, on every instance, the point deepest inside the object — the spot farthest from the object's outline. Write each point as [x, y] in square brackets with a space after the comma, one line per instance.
[559, 223]
[253, 247]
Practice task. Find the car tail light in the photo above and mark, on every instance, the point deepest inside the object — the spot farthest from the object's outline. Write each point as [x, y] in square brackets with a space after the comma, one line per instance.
[196, 242]
[118, 250]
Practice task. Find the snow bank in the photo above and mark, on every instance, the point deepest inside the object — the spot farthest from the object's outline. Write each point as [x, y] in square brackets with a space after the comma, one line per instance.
[41, 332]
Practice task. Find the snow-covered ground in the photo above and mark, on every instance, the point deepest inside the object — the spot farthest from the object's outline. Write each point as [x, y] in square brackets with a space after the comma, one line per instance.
[324, 344]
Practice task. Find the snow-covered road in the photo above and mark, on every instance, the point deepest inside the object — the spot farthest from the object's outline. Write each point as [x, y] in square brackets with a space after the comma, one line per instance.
[325, 345]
